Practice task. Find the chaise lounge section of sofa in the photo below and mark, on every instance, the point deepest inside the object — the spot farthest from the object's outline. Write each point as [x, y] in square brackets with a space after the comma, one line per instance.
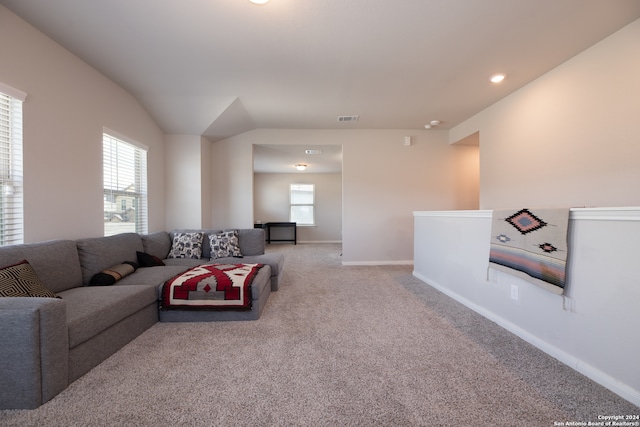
[51, 342]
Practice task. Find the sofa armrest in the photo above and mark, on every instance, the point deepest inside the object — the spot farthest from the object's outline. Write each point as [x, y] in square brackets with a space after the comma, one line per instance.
[34, 347]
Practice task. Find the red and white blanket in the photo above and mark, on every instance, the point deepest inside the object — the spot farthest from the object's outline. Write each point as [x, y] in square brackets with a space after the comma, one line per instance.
[211, 287]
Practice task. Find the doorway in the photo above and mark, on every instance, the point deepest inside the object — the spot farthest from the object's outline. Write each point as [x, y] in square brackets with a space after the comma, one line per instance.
[273, 173]
[468, 172]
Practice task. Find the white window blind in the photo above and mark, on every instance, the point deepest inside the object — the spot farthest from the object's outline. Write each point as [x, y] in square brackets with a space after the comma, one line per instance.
[125, 186]
[302, 204]
[11, 179]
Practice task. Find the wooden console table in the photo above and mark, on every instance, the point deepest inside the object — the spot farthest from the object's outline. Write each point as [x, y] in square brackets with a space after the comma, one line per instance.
[267, 226]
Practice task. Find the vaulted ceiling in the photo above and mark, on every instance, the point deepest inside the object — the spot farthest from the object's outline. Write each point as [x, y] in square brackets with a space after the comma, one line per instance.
[222, 67]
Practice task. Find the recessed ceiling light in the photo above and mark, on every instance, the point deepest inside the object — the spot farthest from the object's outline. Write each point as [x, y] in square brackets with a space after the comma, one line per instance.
[497, 78]
[258, 1]
[301, 166]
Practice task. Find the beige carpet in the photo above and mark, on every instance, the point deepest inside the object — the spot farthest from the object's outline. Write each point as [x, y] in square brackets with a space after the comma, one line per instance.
[336, 346]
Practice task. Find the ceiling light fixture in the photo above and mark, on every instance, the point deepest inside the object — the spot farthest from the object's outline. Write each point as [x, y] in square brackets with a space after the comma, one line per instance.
[301, 166]
[497, 78]
[259, 1]
[432, 124]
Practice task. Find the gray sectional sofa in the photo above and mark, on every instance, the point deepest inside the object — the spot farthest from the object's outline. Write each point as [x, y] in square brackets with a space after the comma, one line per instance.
[47, 343]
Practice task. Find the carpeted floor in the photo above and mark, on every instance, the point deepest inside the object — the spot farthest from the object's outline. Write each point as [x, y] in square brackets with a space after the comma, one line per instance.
[336, 346]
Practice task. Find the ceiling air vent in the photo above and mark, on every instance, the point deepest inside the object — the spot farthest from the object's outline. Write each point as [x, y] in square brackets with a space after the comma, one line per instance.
[312, 151]
[348, 118]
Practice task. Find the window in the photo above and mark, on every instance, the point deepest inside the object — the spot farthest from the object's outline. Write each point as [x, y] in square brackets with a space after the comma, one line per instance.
[125, 185]
[302, 204]
[11, 184]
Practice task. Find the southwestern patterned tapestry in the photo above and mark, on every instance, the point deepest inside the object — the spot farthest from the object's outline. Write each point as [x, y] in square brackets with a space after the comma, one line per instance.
[211, 287]
[531, 244]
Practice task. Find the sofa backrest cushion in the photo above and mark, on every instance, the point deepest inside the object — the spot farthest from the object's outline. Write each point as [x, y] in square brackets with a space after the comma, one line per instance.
[251, 241]
[157, 244]
[55, 262]
[99, 253]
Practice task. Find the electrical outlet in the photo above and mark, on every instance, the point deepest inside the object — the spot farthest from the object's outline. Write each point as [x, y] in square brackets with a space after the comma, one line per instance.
[514, 292]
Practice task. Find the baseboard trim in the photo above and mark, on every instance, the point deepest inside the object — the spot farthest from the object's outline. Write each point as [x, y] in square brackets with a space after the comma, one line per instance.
[319, 241]
[573, 362]
[370, 263]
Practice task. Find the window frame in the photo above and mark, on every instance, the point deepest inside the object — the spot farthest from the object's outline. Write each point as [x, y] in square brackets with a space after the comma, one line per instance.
[11, 166]
[122, 150]
[292, 205]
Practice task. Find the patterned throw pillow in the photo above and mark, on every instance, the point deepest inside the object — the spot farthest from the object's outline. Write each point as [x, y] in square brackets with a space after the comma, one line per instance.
[20, 280]
[186, 245]
[225, 244]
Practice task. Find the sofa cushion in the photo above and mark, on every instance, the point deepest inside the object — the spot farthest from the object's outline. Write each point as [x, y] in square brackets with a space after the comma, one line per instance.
[99, 253]
[20, 280]
[185, 262]
[55, 262]
[91, 310]
[153, 275]
[157, 244]
[186, 245]
[225, 244]
[273, 260]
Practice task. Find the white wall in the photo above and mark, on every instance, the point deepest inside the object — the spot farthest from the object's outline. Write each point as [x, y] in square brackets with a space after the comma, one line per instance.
[383, 181]
[467, 177]
[570, 138]
[232, 183]
[271, 203]
[206, 184]
[594, 330]
[188, 182]
[184, 181]
[68, 104]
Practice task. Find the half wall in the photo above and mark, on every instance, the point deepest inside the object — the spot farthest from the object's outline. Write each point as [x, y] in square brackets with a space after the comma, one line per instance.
[592, 328]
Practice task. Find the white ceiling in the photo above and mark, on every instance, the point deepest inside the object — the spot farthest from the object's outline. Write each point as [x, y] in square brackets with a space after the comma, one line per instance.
[222, 67]
[283, 158]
